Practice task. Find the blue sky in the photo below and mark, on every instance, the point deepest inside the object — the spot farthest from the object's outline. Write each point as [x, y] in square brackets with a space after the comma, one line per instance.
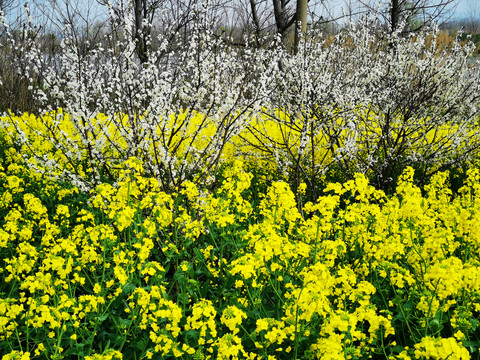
[465, 6]
[464, 9]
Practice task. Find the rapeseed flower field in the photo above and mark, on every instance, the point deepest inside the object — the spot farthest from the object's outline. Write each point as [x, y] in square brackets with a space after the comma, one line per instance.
[245, 269]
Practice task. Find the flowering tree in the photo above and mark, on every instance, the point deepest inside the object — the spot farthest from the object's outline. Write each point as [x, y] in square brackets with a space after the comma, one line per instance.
[420, 106]
[373, 101]
[176, 111]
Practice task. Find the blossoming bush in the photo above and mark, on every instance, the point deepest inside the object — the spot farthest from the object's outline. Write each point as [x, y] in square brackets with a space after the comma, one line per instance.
[176, 111]
[128, 271]
[369, 101]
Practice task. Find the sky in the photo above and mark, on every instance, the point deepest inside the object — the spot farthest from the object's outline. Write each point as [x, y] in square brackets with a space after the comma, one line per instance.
[463, 9]
[465, 6]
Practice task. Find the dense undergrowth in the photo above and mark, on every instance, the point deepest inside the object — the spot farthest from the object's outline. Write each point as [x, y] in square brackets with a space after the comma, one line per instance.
[128, 271]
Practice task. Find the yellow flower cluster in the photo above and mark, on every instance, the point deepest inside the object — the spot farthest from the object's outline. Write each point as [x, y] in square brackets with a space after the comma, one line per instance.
[198, 274]
[438, 349]
[314, 140]
[83, 150]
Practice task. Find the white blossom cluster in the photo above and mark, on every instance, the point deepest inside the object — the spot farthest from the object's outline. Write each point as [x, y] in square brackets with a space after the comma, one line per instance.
[375, 102]
[370, 102]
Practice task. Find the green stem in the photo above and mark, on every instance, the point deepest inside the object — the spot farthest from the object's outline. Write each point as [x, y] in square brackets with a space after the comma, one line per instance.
[135, 315]
[403, 313]
[316, 243]
[280, 297]
[296, 325]
[427, 324]
[58, 341]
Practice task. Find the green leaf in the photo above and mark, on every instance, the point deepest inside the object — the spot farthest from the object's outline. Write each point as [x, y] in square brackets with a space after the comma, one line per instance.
[397, 349]
[128, 288]
[474, 344]
[102, 318]
[474, 323]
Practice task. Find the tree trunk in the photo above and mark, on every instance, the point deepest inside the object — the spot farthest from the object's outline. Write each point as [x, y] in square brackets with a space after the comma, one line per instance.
[140, 35]
[280, 16]
[256, 21]
[394, 15]
[300, 22]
